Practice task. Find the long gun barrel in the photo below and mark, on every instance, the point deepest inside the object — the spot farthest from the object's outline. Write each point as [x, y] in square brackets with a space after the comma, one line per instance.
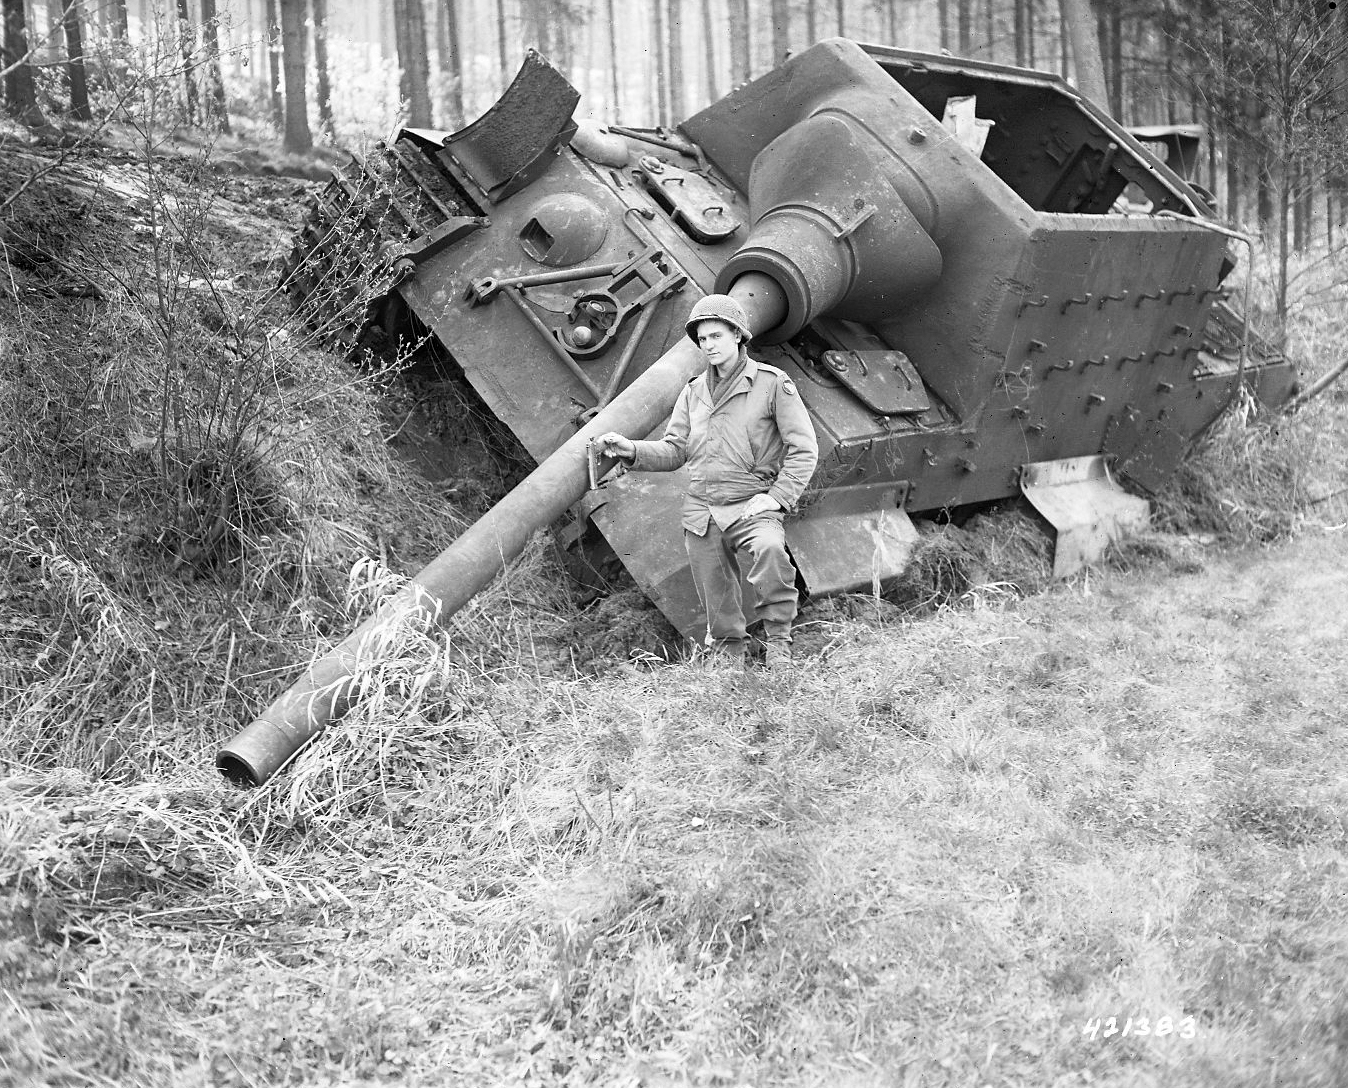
[463, 569]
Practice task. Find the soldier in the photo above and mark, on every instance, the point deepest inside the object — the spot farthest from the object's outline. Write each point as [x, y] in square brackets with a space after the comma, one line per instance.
[750, 450]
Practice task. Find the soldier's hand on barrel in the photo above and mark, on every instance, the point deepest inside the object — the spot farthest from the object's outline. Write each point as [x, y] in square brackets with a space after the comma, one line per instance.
[615, 445]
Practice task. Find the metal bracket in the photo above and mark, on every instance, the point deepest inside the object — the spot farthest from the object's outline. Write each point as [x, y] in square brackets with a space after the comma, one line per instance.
[596, 316]
[691, 200]
[884, 381]
[1082, 502]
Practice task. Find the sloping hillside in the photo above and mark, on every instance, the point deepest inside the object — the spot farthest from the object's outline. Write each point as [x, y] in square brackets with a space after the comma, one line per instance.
[1096, 833]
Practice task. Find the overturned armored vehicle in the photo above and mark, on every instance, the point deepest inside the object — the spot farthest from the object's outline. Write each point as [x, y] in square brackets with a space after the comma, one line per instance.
[981, 284]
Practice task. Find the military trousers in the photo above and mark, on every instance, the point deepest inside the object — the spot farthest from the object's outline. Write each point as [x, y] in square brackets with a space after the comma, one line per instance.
[755, 548]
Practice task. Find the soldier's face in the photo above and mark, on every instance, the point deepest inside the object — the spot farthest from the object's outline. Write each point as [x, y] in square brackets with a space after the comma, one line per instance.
[720, 343]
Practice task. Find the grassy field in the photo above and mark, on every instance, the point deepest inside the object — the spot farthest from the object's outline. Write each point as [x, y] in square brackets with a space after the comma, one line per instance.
[990, 832]
[963, 850]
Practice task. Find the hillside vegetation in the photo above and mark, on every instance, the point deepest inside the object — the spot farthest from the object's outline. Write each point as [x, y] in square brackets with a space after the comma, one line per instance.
[992, 831]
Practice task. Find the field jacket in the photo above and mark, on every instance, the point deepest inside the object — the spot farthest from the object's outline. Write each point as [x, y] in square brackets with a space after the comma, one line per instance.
[760, 440]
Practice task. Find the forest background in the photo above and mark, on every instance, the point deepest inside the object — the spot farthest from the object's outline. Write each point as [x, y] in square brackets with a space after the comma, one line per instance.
[1266, 80]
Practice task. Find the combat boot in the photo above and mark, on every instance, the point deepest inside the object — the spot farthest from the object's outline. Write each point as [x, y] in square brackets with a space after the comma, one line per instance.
[778, 655]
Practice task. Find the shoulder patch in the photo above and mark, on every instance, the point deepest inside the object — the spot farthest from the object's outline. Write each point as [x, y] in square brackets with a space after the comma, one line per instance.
[788, 386]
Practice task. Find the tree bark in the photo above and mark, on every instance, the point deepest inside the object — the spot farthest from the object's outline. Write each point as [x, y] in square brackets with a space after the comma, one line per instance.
[1116, 61]
[20, 90]
[943, 23]
[450, 49]
[299, 139]
[781, 30]
[217, 108]
[121, 24]
[1018, 15]
[503, 45]
[740, 64]
[187, 47]
[965, 18]
[840, 10]
[1079, 26]
[659, 35]
[613, 63]
[409, 31]
[1233, 193]
[709, 37]
[675, 39]
[534, 27]
[79, 84]
[322, 80]
[278, 112]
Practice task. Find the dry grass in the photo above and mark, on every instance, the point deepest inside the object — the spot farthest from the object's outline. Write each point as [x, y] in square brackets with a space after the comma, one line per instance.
[938, 852]
[982, 815]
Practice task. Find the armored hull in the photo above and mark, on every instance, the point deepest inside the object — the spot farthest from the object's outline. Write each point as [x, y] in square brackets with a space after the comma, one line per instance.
[981, 284]
[977, 276]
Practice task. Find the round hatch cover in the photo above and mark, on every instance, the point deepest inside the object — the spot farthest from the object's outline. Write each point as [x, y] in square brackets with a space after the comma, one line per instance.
[563, 229]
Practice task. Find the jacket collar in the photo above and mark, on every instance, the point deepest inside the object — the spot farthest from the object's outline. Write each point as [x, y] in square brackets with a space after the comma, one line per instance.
[751, 367]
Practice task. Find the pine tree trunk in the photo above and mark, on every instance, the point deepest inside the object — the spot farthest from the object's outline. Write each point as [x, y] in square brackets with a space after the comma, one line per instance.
[1029, 33]
[534, 26]
[1264, 203]
[79, 84]
[1116, 61]
[1169, 44]
[812, 21]
[943, 22]
[294, 45]
[709, 38]
[661, 65]
[450, 50]
[616, 106]
[187, 46]
[1080, 27]
[989, 31]
[1284, 197]
[840, 10]
[740, 65]
[1293, 198]
[1211, 125]
[409, 32]
[19, 89]
[503, 44]
[278, 112]
[1020, 25]
[322, 80]
[781, 30]
[217, 108]
[121, 24]
[1233, 193]
[966, 26]
[675, 37]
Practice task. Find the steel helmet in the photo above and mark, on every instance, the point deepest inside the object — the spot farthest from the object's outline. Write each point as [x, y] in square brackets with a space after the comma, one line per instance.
[718, 308]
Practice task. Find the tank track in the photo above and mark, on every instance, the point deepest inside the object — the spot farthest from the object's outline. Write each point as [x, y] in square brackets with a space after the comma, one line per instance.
[361, 238]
